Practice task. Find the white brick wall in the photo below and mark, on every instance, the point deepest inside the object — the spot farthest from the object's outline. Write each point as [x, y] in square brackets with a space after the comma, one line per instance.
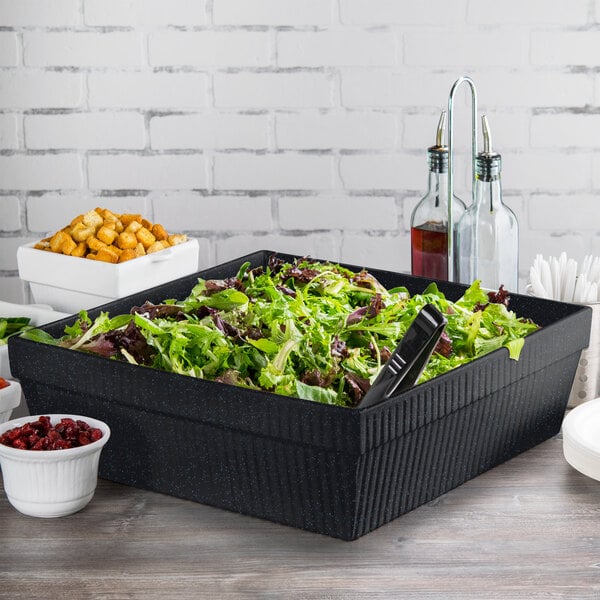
[294, 126]
[9, 132]
[41, 171]
[39, 13]
[560, 48]
[378, 12]
[9, 49]
[179, 212]
[147, 90]
[143, 172]
[225, 49]
[345, 214]
[10, 213]
[144, 13]
[286, 171]
[336, 48]
[22, 89]
[272, 90]
[272, 12]
[575, 130]
[85, 130]
[62, 49]
[352, 130]
[455, 48]
[228, 130]
[532, 12]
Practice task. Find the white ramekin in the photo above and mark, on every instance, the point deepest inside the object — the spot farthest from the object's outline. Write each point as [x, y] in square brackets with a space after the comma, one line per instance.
[51, 483]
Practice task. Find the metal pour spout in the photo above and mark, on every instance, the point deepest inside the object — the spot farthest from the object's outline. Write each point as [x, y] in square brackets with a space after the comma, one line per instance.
[487, 135]
[437, 155]
[488, 163]
[439, 138]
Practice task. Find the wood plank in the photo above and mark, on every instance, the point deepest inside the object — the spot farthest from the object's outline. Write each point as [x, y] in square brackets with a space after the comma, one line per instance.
[529, 528]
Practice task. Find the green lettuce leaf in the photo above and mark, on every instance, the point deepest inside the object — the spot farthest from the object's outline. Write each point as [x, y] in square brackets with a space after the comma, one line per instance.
[280, 327]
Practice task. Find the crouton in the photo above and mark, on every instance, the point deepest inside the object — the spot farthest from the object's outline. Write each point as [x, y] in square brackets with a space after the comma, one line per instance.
[80, 250]
[178, 238]
[157, 246]
[43, 245]
[159, 232]
[107, 254]
[80, 232]
[57, 240]
[68, 245]
[133, 227]
[127, 219]
[94, 243]
[106, 235]
[93, 219]
[77, 219]
[127, 240]
[145, 237]
[127, 255]
[107, 214]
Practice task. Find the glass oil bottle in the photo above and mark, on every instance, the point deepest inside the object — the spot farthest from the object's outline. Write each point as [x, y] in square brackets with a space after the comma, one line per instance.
[488, 233]
[429, 219]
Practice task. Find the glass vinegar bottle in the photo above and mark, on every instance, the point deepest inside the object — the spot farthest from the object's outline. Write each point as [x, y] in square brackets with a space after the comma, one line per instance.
[429, 219]
[488, 232]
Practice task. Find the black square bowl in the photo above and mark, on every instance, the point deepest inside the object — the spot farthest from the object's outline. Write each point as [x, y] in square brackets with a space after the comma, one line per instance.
[336, 471]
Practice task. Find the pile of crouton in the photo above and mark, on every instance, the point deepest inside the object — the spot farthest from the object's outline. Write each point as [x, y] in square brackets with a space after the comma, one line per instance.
[109, 237]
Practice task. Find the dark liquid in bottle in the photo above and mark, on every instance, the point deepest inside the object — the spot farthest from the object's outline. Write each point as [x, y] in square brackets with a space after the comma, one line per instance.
[429, 251]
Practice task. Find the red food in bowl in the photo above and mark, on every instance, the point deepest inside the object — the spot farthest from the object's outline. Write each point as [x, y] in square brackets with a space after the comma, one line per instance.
[3, 383]
[42, 435]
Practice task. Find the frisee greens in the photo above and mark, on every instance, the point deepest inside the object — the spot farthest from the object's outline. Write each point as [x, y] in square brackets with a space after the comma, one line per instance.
[313, 330]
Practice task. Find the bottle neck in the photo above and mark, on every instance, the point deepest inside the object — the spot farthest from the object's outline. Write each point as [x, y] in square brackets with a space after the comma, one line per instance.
[438, 187]
[488, 194]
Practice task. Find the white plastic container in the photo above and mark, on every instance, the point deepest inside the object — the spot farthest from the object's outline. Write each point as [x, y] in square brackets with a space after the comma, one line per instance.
[39, 315]
[70, 284]
[51, 483]
[586, 385]
[10, 398]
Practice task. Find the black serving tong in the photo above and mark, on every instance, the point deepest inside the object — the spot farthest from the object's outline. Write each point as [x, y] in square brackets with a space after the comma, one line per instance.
[405, 365]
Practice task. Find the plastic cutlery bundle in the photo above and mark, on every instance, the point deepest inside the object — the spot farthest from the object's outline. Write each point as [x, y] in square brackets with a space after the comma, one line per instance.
[563, 279]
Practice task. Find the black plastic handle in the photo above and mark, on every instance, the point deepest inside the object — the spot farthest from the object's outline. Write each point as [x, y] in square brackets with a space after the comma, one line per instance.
[403, 368]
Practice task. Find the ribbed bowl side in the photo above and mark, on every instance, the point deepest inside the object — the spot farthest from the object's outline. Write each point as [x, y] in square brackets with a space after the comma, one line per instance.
[49, 481]
[410, 470]
[292, 484]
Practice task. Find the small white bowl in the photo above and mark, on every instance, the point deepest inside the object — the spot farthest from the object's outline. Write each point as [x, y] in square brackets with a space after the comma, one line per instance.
[10, 397]
[51, 483]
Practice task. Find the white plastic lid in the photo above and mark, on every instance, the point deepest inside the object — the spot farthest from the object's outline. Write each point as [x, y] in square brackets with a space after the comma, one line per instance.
[581, 438]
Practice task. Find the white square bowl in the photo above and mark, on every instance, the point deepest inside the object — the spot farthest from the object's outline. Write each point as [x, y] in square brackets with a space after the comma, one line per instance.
[70, 284]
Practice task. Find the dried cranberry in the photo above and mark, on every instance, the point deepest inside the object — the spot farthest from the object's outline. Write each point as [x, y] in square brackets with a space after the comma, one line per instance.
[95, 434]
[83, 439]
[41, 435]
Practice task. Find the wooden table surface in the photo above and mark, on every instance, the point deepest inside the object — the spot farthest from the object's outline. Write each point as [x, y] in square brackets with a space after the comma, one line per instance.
[530, 528]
